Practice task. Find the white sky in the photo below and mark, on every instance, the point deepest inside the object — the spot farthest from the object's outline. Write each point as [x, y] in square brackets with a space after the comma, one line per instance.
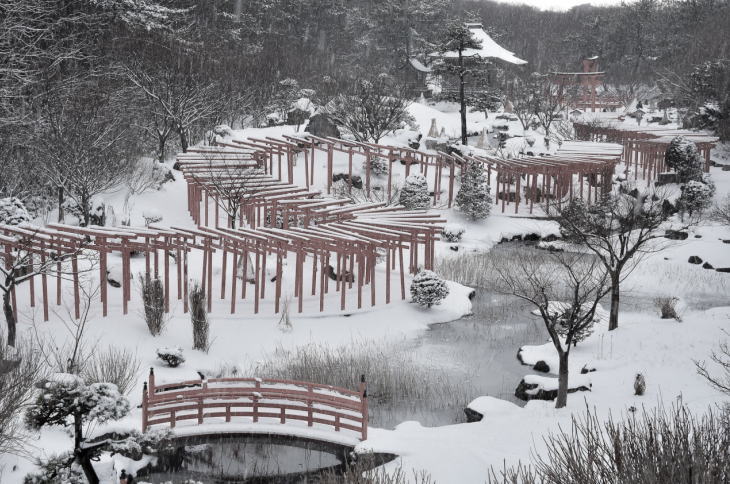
[560, 4]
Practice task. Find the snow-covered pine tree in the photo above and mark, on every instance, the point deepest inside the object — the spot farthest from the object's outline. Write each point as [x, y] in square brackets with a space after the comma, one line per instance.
[12, 211]
[428, 289]
[414, 194]
[473, 197]
[683, 157]
[66, 400]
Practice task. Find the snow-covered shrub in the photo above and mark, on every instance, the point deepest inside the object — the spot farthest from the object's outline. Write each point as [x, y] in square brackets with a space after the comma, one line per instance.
[97, 211]
[172, 356]
[414, 193]
[378, 165]
[151, 216]
[199, 318]
[668, 307]
[57, 469]
[696, 197]
[223, 130]
[683, 157]
[13, 212]
[639, 384]
[452, 232]
[115, 365]
[153, 296]
[473, 197]
[428, 289]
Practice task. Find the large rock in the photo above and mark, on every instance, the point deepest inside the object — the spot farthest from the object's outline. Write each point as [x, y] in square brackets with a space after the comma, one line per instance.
[534, 387]
[320, 125]
[666, 178]
[723, 269]
[694, 259]
[542, 367]
[676, 235]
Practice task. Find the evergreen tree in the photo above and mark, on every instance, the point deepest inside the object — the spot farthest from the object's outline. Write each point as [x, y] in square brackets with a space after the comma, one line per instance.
[66, 400]
[428, 289]
[458, 38]
[683, 157]
[696, 196]
[414, 194]
[473, 197]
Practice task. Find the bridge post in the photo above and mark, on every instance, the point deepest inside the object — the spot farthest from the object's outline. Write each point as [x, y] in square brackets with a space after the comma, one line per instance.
[151, 387]
[310, 415]
[144, 408]
[364, 400]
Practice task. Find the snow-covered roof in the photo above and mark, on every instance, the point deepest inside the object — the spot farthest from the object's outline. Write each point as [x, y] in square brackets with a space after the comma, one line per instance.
[418, 65]
[489, 48]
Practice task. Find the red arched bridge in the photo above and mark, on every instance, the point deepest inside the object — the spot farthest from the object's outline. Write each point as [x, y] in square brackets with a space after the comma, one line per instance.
[254, 400]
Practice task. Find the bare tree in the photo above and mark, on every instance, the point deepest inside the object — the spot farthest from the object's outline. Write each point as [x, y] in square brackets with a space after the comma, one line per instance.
[86, 146]
[372, 109]
[549, 102]
[721, 358]
[564, 287]
[19, 370]
[521, 95]
[620, 229]
[234, 182]
[177, 99]
[22, 262]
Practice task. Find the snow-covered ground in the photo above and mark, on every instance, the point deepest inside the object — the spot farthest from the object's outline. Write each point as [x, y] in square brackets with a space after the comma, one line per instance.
[663, 351]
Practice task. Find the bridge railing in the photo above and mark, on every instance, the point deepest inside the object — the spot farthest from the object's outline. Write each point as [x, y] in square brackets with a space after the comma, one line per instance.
[255, 398]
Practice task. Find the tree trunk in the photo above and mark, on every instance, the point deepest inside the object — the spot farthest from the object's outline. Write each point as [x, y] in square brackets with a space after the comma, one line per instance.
[183, 140]
[9, 316]
[86, 209]
[562, 399]
[61, 215]
[615, 299]
[82, 455]
[161, 142]
[462, 101]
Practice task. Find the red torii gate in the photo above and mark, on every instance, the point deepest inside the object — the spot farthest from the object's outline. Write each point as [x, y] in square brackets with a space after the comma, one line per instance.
[645, 146]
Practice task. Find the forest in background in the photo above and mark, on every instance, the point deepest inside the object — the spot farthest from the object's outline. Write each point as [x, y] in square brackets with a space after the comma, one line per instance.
[85, 83]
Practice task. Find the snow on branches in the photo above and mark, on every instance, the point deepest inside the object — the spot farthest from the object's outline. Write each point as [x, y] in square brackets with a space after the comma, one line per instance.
[428, 289]
[414, 194]
[473, 196]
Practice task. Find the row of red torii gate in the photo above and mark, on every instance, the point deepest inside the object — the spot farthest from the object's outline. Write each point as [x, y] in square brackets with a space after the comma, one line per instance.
[282, 236]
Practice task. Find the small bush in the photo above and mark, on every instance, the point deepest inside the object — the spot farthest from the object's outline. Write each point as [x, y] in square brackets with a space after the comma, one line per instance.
[172, 356]
[668, 307]
[452, 232]
[199, 318]
[696, 197]
[153, 296]
[378, 165]
[57, 469]
[428, 289]
[683, 157]
[115, 365]
[414, 194]
[639, 385]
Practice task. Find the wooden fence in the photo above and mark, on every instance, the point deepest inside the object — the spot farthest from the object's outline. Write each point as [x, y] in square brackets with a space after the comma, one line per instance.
[218, 400]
